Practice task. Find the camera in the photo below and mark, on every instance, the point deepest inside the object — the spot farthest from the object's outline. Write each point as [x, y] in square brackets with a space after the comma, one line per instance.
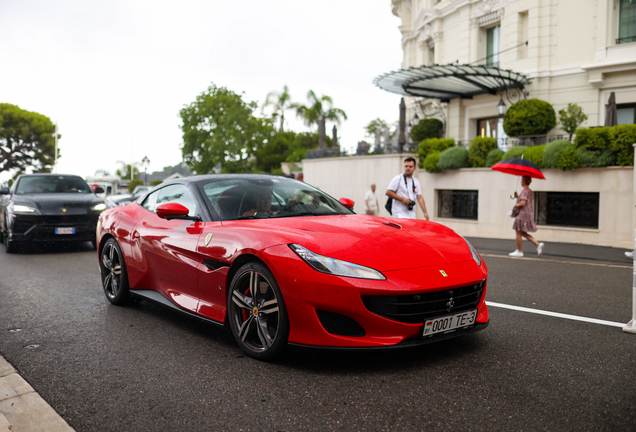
[410, 205]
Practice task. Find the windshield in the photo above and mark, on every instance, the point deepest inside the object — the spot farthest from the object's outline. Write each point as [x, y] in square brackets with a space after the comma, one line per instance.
[256, 198]
[51, 184]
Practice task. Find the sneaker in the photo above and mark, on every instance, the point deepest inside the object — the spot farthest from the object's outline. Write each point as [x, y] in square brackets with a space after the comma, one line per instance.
[516, 254]
[540, 248]
[630, 254]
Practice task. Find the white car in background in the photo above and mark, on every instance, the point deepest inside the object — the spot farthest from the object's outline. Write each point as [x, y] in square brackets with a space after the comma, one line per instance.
[120, 200]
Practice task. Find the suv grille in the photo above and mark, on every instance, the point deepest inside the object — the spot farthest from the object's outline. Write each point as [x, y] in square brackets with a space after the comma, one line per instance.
[417, 308]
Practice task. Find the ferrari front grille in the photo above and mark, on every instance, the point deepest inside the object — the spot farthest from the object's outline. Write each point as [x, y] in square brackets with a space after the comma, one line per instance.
[417, 308]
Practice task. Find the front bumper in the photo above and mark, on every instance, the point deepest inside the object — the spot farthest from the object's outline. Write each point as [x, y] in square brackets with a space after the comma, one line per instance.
[308, 294]
[42, 228]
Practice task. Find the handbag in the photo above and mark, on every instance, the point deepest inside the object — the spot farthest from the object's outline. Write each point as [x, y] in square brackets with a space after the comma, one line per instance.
[514, 212]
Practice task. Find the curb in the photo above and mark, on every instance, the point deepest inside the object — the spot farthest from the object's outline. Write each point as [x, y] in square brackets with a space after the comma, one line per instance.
[22, 408]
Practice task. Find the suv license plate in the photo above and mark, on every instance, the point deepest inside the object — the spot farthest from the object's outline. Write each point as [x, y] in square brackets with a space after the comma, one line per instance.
[449, 322]
[64, 230]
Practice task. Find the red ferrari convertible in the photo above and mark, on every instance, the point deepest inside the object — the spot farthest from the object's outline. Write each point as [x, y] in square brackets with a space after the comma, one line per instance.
[280, 262]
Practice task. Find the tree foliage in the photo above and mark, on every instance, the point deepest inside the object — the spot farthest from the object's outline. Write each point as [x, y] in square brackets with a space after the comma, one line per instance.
[529, 117]
[219, 129]
[279, 103]
[479, 149]
[284, 147]
[427, 128]
[323, 105]
[133, 184]
[27, 140]
[453, 158]
[125, 170]
[377, 125]
[571, 118]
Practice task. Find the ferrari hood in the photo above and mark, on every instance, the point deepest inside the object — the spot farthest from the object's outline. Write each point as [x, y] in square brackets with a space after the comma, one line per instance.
[381, 243]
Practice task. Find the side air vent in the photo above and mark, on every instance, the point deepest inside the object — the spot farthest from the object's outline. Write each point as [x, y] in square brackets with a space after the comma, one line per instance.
[392, 225]
[338, 324]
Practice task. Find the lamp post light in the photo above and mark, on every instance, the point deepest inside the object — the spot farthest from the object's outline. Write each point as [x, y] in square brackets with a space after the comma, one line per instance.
[501, 107]
[145, 162]
[416, 119]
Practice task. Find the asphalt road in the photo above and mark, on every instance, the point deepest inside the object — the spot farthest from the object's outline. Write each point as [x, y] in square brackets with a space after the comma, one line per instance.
[141, 367]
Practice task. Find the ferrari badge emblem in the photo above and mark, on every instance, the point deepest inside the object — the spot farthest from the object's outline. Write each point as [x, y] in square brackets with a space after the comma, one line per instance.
[208, 238]
[443, 273]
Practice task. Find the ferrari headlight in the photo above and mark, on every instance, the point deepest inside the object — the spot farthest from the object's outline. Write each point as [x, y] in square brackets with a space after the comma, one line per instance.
[99, 207]
[334, 266]
[19, 208]
[473, 252]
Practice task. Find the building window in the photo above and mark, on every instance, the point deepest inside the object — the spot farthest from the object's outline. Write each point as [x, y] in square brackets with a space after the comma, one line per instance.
[570, 209]
[493, 46]
[457, 204]
[627, 22]
[626, 113]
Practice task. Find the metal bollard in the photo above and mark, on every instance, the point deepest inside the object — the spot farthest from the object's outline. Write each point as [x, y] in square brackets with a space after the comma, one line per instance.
[631, 326]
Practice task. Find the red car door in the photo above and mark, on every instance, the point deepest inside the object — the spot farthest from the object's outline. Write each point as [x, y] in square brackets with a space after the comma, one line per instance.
[168, 248]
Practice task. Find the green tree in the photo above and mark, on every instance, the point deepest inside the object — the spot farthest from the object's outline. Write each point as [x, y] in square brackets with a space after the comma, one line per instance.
[133, 184]
[571, 118]
[375, 126]
[318, 106]
[219, 129]
[427, 128]
[125, 170]
[27, 140]
[529, 117]
[284, 146]
[279, 103]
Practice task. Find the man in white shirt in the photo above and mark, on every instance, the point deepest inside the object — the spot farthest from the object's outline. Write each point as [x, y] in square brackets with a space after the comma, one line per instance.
[371, 201]
[405, 189]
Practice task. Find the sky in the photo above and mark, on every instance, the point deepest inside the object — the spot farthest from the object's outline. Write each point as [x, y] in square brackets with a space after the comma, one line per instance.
[114, 75]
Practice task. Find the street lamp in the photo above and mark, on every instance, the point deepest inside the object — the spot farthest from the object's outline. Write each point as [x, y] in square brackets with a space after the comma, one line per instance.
[145, 162]
[416, 119]
[501, 107]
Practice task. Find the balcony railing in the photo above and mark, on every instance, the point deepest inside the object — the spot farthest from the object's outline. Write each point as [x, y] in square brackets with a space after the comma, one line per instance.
[626, 39]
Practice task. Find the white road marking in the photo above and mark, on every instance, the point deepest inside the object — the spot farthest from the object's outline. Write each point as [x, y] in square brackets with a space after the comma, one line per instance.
[558, 261]
[556, 314]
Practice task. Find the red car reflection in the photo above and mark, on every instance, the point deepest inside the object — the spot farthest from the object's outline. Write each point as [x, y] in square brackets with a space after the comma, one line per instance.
[280, 262]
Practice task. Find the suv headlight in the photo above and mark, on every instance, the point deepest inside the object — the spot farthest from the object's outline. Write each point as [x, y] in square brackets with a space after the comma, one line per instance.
[19, 208]
[334, 266]
[99, 207]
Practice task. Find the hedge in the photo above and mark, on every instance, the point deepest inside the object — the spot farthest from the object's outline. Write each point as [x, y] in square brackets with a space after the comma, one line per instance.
[494, 156]
[453, 158]
[479, 149]
[535, 155]
[618, 139]
[552, 153]
[529, 117]
[514, 152]
[430, 162]
[432, 145]
[593, 159]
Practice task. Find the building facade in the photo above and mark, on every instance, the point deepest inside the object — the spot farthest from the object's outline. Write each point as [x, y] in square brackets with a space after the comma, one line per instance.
[570, 51]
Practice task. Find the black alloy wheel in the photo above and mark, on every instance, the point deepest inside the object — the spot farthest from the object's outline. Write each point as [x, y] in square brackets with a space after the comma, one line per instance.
[257, 313]
[114, 276]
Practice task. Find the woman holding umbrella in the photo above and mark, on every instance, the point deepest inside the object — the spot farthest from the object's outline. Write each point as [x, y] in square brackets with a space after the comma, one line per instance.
[524, 222]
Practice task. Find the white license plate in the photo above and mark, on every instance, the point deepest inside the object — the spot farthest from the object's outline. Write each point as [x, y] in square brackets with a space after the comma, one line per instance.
[449, 322]
[64, 230]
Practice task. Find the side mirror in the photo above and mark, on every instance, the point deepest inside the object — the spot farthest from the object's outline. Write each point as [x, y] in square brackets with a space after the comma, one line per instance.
[4, 190]
[171, 211]
[98, 189]
[347, 203]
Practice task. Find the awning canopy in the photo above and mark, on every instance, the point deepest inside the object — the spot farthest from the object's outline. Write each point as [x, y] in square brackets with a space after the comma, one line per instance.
[450, 81]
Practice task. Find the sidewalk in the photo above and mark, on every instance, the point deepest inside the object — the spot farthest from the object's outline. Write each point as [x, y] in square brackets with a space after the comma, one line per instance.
[565, 251]
[23, 410]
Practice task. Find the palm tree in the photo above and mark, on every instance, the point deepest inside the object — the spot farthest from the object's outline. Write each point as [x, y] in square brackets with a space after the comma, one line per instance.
[318, 107]
[280, 102]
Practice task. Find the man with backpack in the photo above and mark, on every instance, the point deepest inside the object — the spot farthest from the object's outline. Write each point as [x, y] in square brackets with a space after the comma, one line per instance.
[403, 191]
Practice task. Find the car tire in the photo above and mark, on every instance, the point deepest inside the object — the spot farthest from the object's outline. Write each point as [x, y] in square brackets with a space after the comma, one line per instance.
[113, 271]
[9, 245]
[256, 312]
